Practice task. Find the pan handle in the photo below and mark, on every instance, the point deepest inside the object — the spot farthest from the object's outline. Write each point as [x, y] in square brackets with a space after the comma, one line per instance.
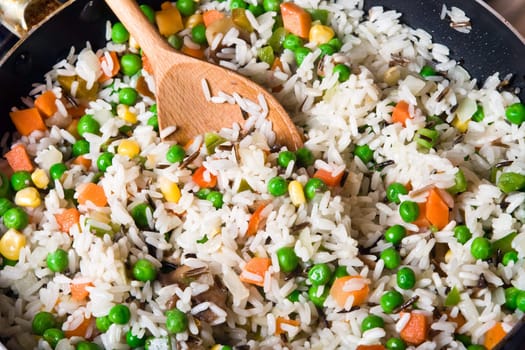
[19, 16]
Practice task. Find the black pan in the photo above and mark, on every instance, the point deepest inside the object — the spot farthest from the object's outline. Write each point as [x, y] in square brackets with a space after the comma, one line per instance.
[492, 46]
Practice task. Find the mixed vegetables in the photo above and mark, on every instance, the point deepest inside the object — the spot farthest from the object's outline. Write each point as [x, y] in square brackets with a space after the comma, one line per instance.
[25, 186]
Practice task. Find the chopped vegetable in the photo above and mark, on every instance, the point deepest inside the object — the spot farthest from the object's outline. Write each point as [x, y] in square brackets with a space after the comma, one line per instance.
[296, 20]
[453, 297]
[504, 244]
[196, 53]
[81, 330]
[436, 210]
[371, 347]
[320, 34]
[211, 16]
[256, 221]
[112, 67]
[510, 182]
[203, 178]
[460, 183]
[296, 193]
[280, 321]
[82, 161]
[79, 291]
[401, 113]
[27, 120]
[415, 331]
[339, 292]
[11, 244]
[169, 21]
[329, 178]
[45, 103]
[28, 198]
[254, 271]
[240, 20]
[93, 193]
[67, 219]
[494, 335]
[18, 159]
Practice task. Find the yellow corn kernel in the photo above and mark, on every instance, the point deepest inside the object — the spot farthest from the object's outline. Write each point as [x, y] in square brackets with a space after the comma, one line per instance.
[28, 197]
[320, 34]
[193, 20]
[459, 125]
[40, 178]
[124, 113]
[296, 192]
[170, 190]
[11, 243]
[448, 256]
[128, 148]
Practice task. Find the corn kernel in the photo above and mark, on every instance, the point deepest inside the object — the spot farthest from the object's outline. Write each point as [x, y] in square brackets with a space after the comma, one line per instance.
[320, 34]
[459, 125]
[170, 190]
[448, 256]
[28, 197]
[128, 148]
[296, 192]
[11, 243]
[193, 20]
[124, 113]
[40, 178]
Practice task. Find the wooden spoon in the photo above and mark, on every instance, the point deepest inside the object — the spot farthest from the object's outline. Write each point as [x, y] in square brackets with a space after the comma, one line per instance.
[178, 81]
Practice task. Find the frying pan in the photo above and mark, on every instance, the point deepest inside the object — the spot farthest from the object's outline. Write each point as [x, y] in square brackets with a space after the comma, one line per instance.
[492, 46]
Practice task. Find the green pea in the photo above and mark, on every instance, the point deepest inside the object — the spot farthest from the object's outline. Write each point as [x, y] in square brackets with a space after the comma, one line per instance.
[57, 261]
[520, 301]
[271, 5]
[463, 338]
[130, 64]
[144, 270]
[80, 147]
[42, 321]
[511, 294]
[427, 71]
[319, 274]
[395, 234]
[391, 258]
[394, 190]
[409, 211]
[395, 344]
[294, 296]
[238, 4]
[134, 341]
[103, 323]
[340, 271]
[88, 125]
[5, 189]
[300, 54]
[5, 205]
[53, 336]
[175, 41]
[364, 153]
[511, 182]
[186, 7]
[336, 43]
[203, 193]
[176, 321]
[372, 321]
[285, 157]
[391, 300]
[406, 278]
[481, 248]
[153, 121]
[198, 34]
[104, 161]
[119, 33]
[16, 218]
[476, 347]
[288, 260]
[326, 49]
[315, 298]
[57, 170]
[257, 10]
[479, 114]
[320, 15]
[515, 113]
[149, 12]
[508, 257]
[216, 199]
[292, 42]
[305, 157]
[462, 234]
[314, 186]
[20, 180]
[175, 154]
[343, 70]
[277, 186]
[119, 314]
[140, 214]
[128, 96]
[87, 345]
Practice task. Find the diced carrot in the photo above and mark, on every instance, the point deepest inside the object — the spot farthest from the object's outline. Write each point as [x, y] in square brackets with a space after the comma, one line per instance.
[256, 266]
[115, 64]
[93, 193]
[340, 295]
[146, 65]
[197, 53]
[296, 20]
[415, 331]
[401, 113]
[79, 291]
[277, 64]
[169, 21]
[199, 178]
[210, 16]
[82, 161]
[45, 103]
[18, 159]
[280, 321]
[494, 336]
[459, 320]
[436, 210]
[27, 120]
[371, 347]
[328, 177]
[255, 222]
[421, 220]
[67, 219]
[76, 111]
[81, 330]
